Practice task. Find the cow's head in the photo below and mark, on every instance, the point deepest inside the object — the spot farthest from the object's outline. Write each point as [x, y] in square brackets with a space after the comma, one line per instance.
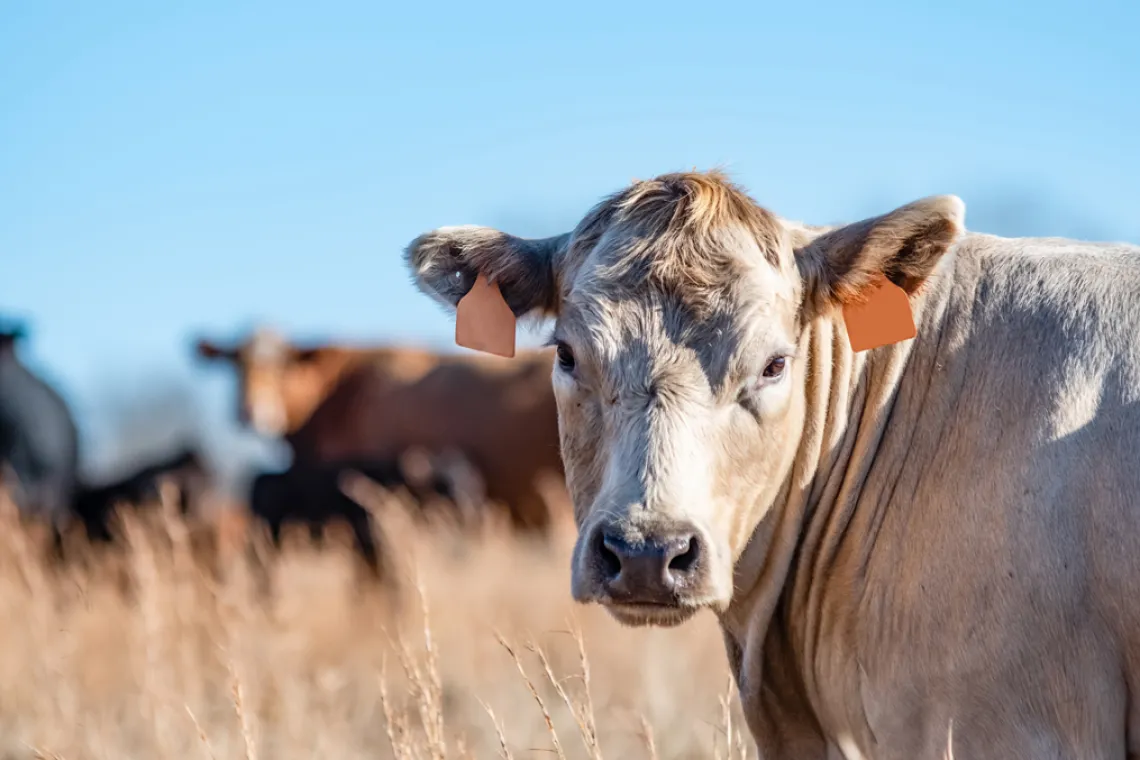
[679, 308]
[10, 334]
[279, 384]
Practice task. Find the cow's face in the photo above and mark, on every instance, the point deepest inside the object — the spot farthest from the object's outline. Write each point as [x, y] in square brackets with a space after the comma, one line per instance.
[680, 309]
[278, 384]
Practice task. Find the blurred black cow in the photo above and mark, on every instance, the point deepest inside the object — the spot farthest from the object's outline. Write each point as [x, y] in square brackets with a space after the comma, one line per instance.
[39, 442]
[313, 495]
[185, 470]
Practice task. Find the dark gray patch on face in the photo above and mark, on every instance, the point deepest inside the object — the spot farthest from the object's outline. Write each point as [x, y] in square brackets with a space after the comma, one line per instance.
[713, 340]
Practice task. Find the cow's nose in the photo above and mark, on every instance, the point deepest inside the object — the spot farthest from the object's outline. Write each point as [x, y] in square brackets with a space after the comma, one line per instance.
[655, 571]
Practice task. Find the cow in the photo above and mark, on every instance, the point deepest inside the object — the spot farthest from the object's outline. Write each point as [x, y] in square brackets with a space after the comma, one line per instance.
[39, 440]
[185, 469]
[926, 549]
[332, 403]
[313, 494]
[281, 385]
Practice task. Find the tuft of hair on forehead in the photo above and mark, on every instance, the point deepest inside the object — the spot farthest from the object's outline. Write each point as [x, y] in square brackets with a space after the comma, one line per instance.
[682, 232]
[266, 342]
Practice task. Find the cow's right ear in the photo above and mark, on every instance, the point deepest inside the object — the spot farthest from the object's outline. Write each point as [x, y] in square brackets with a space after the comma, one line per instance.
[445, 262]
[904, 245]
[209, 350]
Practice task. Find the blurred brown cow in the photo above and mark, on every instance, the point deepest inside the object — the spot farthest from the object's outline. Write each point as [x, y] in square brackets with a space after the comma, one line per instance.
[333, 402]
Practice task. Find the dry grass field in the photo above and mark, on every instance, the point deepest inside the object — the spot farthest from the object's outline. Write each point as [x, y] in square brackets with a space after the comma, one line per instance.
[184, 645]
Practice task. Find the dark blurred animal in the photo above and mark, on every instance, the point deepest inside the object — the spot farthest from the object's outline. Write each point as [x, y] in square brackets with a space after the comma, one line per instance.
[185, 470]
[39, 442]
[313, 495]
[333, 403]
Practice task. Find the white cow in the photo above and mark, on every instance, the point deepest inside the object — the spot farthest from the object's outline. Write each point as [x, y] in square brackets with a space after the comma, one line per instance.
[928, 548]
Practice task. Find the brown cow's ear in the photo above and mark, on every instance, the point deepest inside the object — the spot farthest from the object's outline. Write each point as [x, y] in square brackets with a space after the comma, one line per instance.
[904, 245]
[445, 263]
[209, 350]
[306, 354]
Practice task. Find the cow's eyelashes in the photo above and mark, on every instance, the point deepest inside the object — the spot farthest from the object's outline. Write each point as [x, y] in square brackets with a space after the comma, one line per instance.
[565, 356]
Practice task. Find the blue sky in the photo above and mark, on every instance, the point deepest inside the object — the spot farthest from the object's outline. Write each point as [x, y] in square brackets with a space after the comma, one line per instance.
[169, 168]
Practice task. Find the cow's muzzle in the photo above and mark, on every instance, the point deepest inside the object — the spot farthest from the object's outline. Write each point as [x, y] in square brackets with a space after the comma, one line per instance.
[657, 577]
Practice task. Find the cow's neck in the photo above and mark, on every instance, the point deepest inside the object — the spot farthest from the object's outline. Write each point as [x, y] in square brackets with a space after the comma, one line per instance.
[319, 380]
[780, 615]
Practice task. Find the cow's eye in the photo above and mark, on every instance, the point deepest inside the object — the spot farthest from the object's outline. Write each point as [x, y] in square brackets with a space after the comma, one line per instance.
[774, 371]
[565, 357]
[775, 368]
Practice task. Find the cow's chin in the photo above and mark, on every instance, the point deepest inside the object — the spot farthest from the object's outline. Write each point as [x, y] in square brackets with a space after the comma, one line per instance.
[650, 615]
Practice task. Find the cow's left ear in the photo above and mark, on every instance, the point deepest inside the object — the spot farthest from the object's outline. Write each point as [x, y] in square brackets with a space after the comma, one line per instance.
[207, 349]
[904, 245]
[446, 261]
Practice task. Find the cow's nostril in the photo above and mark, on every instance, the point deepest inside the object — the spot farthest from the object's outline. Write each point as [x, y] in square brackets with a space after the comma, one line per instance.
[690, 551]
[611, 562]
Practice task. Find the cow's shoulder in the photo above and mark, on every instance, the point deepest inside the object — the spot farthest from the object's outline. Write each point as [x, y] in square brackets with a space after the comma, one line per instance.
[1075, 289]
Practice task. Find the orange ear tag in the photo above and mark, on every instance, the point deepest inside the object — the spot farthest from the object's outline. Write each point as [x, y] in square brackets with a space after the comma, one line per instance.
[484, 321]
[882, 318]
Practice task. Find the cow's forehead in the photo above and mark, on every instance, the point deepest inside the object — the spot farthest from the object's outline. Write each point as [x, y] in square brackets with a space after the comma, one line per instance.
[698, 283]
[637, 328]
[265, 345]
[684, 268]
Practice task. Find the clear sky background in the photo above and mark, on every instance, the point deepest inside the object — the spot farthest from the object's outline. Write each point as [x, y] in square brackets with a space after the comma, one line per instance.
[182, 167]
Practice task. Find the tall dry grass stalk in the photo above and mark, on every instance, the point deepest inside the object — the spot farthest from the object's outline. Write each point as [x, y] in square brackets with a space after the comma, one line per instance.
[183, 644]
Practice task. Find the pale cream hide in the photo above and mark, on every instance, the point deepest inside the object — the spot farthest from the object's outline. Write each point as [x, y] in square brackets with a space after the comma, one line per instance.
[928, 550]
